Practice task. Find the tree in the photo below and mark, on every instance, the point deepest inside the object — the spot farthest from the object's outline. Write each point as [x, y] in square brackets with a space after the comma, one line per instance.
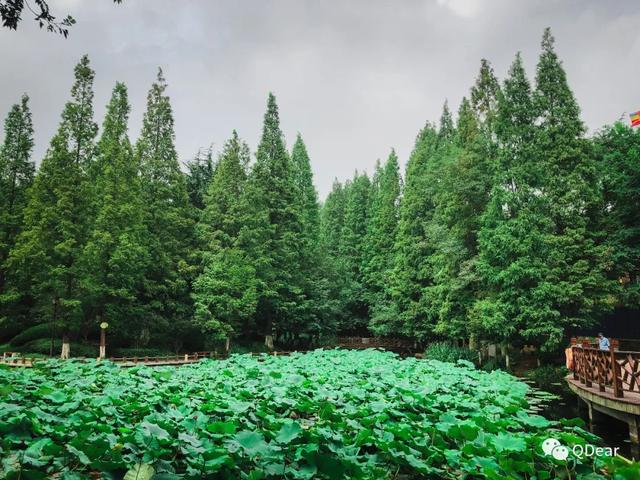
[11, 14]
[411, 273]
[461, 194]
[56, 228]
[115, 257]
[380, 240]
[618, 156]
[514, 225]
[274, 196]
[16, 176]
[225, 293]
[354, 232]
[199, 174]
[484, 98]
[331, 226]
[167, 221]
[314, 311]
[541, 252]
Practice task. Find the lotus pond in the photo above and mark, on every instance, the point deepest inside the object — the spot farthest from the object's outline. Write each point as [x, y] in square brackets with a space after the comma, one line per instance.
[324, 414]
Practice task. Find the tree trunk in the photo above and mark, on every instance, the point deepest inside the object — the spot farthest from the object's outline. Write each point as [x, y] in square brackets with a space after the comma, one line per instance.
[268, 341]
[227, 345]
[505, 353]
[66, 348]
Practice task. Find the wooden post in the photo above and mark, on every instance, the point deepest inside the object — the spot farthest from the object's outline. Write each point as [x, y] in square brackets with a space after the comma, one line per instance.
[602, 374]
[617, 381]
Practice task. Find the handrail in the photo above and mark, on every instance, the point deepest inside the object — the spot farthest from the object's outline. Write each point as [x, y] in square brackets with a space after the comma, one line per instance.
[615, 369]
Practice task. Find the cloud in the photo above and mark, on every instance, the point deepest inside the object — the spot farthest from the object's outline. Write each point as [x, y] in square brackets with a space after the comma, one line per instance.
[462, 8]
[355, 78]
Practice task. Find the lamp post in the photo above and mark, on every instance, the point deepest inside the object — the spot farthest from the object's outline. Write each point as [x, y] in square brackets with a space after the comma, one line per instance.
[103, 340]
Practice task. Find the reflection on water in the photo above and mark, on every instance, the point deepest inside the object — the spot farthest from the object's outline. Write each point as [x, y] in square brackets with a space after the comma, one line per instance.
[614, 433]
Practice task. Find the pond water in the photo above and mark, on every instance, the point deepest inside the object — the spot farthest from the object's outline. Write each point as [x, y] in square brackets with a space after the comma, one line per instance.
[614, 433]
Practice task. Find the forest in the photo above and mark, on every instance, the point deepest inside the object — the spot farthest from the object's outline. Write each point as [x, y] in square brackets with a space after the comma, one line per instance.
[509, 224]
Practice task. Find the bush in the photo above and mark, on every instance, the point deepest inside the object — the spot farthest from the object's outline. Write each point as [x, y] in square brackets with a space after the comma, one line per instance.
[42, 346]
[139, 352]
[549, 377]
[41, 331]
[447, 352]
[9, 328]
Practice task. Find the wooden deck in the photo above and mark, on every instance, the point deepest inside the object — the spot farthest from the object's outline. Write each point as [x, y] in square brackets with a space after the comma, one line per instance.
[608, 381]
[175, 360]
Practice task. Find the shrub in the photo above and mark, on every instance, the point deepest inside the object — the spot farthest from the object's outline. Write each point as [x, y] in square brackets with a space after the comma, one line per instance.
[41, 331]
[447, 352]
[139, 352]
[42, 346]
[549, 377]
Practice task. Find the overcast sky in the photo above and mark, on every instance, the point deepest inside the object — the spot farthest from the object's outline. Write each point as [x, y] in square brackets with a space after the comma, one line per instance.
[355, 77]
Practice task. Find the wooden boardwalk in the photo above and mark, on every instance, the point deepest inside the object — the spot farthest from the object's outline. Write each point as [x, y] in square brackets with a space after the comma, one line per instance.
[175, 360]
[608, 382]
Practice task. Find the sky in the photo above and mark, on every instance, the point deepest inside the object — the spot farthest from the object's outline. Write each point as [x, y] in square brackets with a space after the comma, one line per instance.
[355, 78]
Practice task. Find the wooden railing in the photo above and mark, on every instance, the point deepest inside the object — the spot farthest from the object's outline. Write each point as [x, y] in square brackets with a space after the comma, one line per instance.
[374, 342]
[615, 369]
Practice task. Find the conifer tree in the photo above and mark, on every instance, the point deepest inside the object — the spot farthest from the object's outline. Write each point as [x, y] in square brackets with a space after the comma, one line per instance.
[274, 196]
[225, 292]
[514, 225]
[484, 98]
[411, 273]
[446, 131]
[200, 172]
[49, 249]
[115, 257]
[577, 287]
[380, 239]
[465, 181]
[540, 251]
[618, 156]
[314, 311]
[167, 219]
[16, 176]
[354, 231]
[331, 226]
[332, 219]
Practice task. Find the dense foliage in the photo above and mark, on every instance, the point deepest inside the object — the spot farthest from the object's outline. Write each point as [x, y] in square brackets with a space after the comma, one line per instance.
[325, 414]
[510, 225]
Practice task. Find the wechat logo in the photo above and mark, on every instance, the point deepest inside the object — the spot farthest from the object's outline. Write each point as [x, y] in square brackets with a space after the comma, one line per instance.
[553, 447]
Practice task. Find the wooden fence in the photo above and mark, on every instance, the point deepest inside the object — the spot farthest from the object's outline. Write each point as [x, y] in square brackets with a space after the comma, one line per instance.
[615, 369]
[394, 344]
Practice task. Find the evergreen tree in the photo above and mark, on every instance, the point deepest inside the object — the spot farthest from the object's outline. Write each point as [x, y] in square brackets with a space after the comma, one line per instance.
[332, 219]
[484, 98]
[540, 251]
[56, 228]
[331, 226]
[274, 196]
[200, 172]
[225, 292]
[462, 192]
[447, 130]
[379, 242]
[115, 257]
[618, 155]
[167, 221]
[354, 232]
[314, 312]
[16, 176]
[411, 273]
[578, 288]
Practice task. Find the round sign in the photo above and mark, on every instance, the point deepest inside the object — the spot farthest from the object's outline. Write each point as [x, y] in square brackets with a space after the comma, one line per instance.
[104, 325]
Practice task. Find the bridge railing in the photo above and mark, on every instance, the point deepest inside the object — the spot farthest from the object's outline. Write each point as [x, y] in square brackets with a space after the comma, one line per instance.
[618, 370]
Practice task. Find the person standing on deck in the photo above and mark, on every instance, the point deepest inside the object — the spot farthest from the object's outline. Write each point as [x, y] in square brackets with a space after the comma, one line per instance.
[603, 341]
